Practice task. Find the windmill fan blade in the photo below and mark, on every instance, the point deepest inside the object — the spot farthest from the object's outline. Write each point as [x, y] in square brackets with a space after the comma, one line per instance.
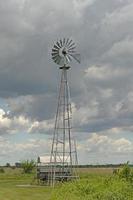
[64, 41]
[76, 57]
[67, 41]
[61, 43]
[55, 59]
[58, 60]
[71, 45]
[58, 44]
[55, 50]
[69, 57]
[72, 48]
[72, 52]
[55, 47]
[54, 54]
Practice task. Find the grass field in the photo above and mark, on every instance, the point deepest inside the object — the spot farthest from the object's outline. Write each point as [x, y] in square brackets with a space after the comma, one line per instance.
[12, 187]
[94, 184]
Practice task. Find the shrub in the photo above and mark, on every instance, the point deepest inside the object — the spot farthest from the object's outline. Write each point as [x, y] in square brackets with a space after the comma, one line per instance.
[28, 165]
[125, 172]
[2, 170]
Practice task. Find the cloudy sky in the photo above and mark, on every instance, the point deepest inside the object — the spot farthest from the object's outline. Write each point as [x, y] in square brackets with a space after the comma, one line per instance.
[101, 86]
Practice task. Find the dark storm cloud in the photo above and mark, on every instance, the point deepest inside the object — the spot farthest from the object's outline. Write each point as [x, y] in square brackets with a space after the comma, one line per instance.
[28, 76]
[28, 29]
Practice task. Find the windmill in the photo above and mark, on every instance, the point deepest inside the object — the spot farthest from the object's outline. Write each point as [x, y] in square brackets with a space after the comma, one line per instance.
[63, 153]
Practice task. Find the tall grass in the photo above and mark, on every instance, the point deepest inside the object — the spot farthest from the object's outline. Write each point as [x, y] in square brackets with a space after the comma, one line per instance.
[93, 187]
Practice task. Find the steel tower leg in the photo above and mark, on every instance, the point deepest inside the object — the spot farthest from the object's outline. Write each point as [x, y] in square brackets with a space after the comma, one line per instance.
[63, 152]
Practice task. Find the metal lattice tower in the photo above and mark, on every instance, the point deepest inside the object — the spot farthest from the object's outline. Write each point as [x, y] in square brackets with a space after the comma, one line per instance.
[63, 153]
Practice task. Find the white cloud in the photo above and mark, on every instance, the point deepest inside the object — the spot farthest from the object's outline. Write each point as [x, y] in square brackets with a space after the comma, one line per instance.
[83, 114]
[105, 72]
[41, 127]
[16, 124]
[124, 47]
[107, 145]
[12, 125]
[31, 148]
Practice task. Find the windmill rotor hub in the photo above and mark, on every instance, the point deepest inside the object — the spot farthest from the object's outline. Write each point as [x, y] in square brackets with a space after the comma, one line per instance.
[64, 52]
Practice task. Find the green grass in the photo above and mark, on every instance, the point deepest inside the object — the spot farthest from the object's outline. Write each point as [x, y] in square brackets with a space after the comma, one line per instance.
[11, 189]
[94, 184]
[95, 187]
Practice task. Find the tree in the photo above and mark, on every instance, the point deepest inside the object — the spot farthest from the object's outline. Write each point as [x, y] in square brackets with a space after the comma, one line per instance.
[28, 165]
[8, 165]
